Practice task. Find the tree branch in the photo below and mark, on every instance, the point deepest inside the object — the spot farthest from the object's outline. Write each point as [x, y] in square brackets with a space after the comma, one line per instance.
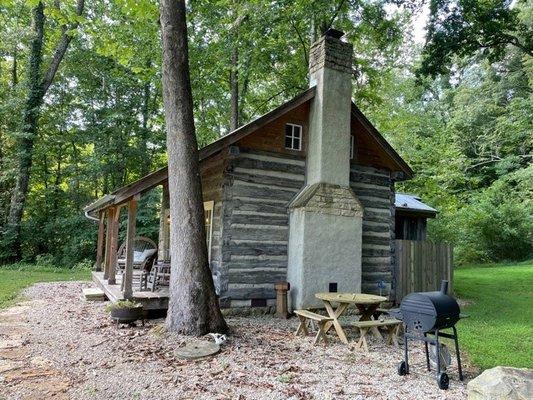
[301, 41]
[60, 49]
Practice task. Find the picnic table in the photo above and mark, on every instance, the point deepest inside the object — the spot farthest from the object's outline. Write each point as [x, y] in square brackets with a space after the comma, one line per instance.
[365, 303]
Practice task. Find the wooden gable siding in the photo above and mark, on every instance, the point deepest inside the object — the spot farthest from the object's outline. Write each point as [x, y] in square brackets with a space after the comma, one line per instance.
[366, 151]
[258, 186]
[271, 137]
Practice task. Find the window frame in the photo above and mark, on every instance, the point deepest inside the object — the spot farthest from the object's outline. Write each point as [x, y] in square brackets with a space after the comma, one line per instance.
[209, 206]
[292, 136]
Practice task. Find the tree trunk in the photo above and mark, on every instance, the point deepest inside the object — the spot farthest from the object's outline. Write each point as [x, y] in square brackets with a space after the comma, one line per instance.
[164, 242]
[145, 164]
[193, 306]
[26, 141]
[37, 90]
[234, 88]
[14, 68]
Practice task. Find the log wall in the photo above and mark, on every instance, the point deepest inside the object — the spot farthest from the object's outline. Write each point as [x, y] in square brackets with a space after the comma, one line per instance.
[254, 228]
[212, 173]
[375, 189]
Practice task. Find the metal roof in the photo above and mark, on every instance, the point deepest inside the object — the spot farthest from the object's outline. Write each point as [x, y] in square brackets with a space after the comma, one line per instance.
[411, 203]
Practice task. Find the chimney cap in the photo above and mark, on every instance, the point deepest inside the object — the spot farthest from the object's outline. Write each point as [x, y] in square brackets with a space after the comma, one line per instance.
[335, 33]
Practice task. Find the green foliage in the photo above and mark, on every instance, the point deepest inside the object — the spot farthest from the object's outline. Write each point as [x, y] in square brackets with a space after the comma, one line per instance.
[467, 136]
[499, 298]
[466, 27]
[498, 222]
[122, 304]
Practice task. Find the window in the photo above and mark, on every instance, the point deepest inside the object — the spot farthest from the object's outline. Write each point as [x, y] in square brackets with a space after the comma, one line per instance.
[293, 137]
[352, 146]
[208, 214]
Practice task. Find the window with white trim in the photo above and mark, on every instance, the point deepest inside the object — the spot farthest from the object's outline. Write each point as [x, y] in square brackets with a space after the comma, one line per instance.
[208, 214]
[293, 137]
[352, 146]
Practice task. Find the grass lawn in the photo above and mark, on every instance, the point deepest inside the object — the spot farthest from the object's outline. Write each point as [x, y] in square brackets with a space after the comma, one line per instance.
[500, 328]
[14, 278]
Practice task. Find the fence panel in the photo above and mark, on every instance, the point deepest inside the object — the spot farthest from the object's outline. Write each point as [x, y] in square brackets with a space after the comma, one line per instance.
[420, 267]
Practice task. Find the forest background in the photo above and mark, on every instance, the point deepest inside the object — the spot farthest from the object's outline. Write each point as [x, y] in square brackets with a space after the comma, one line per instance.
[457, 106]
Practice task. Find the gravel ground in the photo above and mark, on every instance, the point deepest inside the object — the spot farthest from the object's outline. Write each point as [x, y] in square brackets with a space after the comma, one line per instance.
[56, 345]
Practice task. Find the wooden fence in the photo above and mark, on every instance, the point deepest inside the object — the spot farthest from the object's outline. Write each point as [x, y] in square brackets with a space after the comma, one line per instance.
[420, 267]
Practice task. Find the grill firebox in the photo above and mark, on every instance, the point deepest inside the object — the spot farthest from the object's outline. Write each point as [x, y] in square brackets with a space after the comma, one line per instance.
[425, 315]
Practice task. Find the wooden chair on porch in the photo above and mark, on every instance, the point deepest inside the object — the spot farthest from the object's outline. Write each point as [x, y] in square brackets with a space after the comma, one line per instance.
[158, 276]
[144, 254]
[143, 249]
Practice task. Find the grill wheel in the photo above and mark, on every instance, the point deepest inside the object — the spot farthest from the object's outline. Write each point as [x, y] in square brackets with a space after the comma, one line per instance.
[402, 368]
[443, 381]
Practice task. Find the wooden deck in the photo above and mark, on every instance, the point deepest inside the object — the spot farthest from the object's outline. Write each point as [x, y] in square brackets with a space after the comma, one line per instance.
[157, 300]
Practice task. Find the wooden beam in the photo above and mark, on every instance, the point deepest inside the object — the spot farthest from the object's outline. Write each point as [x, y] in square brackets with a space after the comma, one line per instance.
[113, 248]
[130, 236]
[109, 229]
[148, 182]
[164, 227]
[100, 240]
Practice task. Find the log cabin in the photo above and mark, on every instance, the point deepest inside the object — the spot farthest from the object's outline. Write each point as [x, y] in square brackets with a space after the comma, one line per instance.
[304, 193]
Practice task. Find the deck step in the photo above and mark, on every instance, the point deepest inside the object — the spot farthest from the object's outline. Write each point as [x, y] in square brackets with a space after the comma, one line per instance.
[93, 294]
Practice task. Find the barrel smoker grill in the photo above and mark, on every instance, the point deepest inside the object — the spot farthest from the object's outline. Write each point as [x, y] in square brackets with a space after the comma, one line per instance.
[425, 315]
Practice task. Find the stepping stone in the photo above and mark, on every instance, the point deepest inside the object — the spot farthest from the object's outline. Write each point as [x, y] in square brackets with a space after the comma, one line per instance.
[199, 349]
[93, 294]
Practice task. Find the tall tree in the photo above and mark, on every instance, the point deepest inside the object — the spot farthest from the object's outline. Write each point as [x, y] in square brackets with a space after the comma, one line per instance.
[465, 27]
[193, 306]
[38, 85]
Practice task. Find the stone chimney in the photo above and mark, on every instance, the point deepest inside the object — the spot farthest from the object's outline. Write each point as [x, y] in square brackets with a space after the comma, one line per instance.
[325, 228]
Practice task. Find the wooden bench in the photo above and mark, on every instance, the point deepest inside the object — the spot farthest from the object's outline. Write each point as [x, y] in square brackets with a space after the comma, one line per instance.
[364, 327]
[321, 320]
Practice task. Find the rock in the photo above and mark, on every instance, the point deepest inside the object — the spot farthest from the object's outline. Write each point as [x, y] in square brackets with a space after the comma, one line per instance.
[197, 349]
[502, 383]
[93, 294]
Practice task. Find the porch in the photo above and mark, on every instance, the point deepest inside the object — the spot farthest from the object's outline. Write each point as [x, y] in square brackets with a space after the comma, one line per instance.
[157, 300]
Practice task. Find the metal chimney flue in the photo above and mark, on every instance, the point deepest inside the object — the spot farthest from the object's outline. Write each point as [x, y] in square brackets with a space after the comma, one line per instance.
[444, 287]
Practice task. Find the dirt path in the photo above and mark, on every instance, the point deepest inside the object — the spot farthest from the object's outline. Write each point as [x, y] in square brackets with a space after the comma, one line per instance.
[26, 375]
[57, 346]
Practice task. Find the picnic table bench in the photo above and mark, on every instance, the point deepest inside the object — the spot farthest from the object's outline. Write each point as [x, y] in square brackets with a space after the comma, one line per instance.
[321, 320]
[364, 327]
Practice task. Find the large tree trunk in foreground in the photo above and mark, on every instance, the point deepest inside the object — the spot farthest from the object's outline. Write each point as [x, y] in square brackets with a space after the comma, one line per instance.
[193, 306]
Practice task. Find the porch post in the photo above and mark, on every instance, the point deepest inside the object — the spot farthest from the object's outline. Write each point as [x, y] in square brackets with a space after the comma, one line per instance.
[130, 236]
[100, 240]
[164, 231]
[112, 280]
[109, 229]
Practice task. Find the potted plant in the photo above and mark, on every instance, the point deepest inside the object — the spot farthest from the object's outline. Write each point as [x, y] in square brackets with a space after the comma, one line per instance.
[125, 311]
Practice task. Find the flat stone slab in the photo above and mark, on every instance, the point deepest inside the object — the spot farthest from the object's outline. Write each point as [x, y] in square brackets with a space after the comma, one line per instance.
[93, 294]
[199, 349]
